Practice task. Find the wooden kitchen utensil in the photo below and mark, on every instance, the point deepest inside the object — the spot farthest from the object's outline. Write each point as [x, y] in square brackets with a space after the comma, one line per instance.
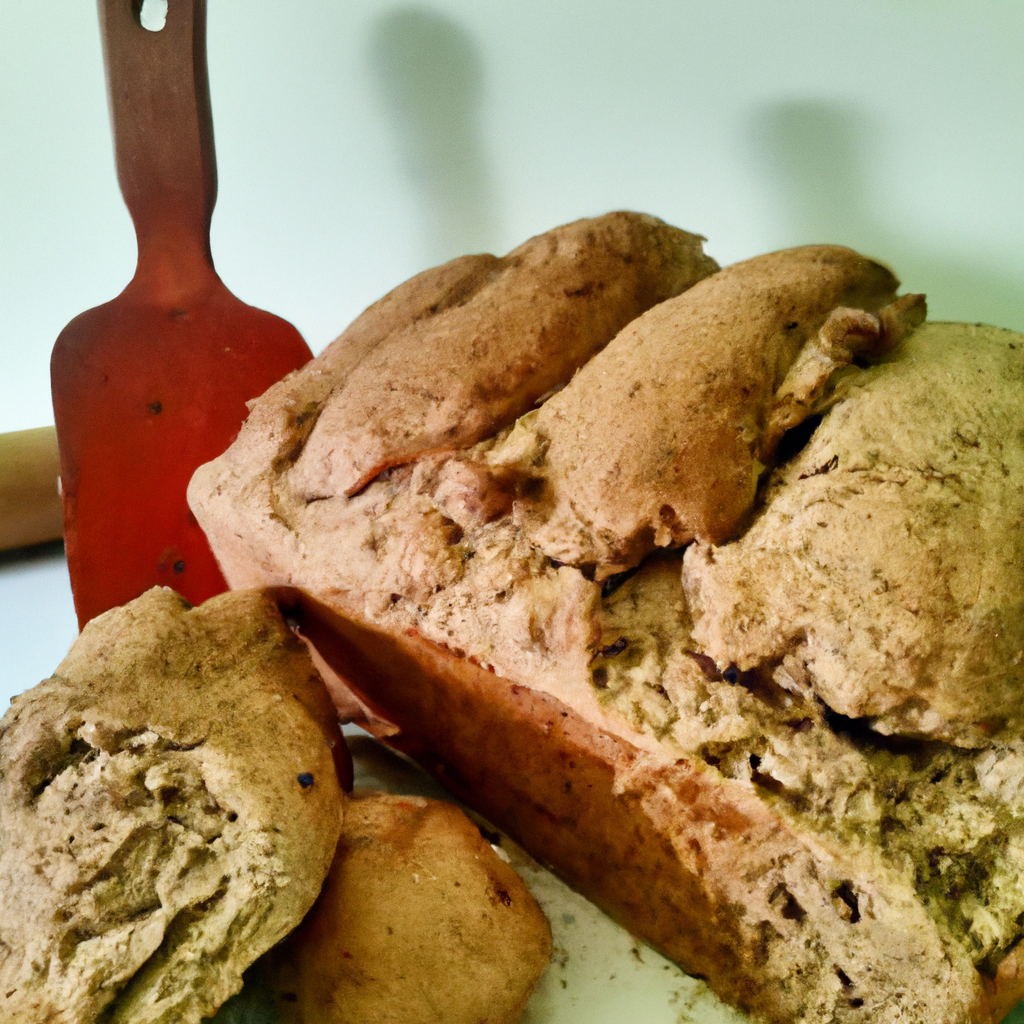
[154, 383]
[30, 510]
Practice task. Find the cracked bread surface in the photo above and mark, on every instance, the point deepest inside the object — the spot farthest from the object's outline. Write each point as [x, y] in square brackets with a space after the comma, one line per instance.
[476, 342]
[662, 436]
[154, 835]
[887, 556]
[857, 875]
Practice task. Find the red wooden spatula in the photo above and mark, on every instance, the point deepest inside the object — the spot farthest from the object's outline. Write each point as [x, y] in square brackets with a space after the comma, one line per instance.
[154, 383]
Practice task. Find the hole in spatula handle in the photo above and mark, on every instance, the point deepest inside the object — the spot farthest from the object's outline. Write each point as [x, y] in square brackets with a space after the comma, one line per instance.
[152, 14]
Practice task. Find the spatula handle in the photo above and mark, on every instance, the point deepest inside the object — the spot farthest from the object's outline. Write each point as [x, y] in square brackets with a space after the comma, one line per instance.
[163, 128]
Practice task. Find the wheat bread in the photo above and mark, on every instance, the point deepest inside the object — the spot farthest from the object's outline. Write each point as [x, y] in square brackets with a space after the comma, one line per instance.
[169, 807]
[812, 865]
[781, 921]
[663, 435]
[887, 557]
[438, 362]
[419, 920]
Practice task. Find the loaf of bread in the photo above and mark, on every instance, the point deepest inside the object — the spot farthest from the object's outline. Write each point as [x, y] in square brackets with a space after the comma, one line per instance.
[770, 719]
[169, 808]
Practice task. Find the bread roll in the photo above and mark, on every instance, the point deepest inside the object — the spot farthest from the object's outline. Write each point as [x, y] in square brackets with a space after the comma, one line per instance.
[169, 808]
[419, 921]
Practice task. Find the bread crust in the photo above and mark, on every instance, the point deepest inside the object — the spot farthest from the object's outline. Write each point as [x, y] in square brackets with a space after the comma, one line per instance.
[663, 435]
[419, 920]
[897, 533]
[660, 844]
[168, 810]
[463, 349]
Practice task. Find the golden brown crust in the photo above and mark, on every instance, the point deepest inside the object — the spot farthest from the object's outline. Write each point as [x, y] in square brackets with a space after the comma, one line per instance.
[419, 920]
[656, 843]
[455, 354]
[663, 435]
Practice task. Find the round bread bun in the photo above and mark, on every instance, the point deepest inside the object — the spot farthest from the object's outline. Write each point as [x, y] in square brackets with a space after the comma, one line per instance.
[169, 807]
[419, 922]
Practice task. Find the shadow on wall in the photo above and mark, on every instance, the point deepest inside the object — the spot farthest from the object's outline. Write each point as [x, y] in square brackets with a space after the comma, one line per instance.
[429, 75]
[816, 158]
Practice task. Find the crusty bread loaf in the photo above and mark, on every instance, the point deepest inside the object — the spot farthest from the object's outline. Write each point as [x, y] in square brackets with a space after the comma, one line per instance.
[419, 920]
[169, 807]
[654, 719]
[662, 436]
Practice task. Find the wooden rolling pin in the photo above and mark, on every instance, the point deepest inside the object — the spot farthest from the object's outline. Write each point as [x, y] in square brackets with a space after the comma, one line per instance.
[30, 510]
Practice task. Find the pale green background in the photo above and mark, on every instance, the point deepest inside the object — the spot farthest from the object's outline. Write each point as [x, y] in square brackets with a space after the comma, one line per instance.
[359, 141]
